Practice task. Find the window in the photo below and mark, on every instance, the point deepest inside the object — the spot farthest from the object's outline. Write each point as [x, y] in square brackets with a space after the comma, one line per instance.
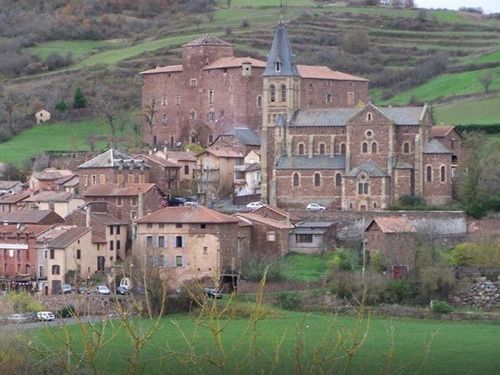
[350, 98]
[374, 147]
[94, 179]
[317, 179]
[406, 147]
[161, 241]
[296, 179]
[278, 66]
[133, 215]
[130, 178]
[343, 148]
[164, 119]
[178, 225]
[283, 93]
[133, 201]
[117, 229]
[56, 269]
[85, 180]
[179, 241]
[186, 169]
[178, 100]
[369, 116]
[272, 93]
[210, 96]
[28, 268]
[259, 102]
[203, 226]
[205, 250]
[52, 255]
[102, 179]
[211, 116]
[321, 148]
[362, 188]
[210, 138]
[443, 173]
[192, 114]
[149, 225]
[179, 261]
[149, 241]
[428, 173]
[111, 245]
[78, 254]
[164, 100]
[193, 82]
[338, 179]
[301, 150]
[369, 133]
[328, 98]
[271, 236]
[111, 230]
[364, 147]
[304, 238]
[118, 247]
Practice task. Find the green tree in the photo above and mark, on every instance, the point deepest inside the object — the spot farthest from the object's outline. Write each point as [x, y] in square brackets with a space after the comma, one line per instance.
[61, 105]
[486, 82]
[79, 100]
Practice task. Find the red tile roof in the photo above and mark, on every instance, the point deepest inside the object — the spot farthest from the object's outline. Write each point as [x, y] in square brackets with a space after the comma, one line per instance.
[324, 72]
[235, 62]
[29, 228]
[116, 190]
[441, 131]
[14, 198]
[187, 215]
[394, 224]
[265, 220]
[277, 210]
[164, 69]
[223, 153]
[161, 161]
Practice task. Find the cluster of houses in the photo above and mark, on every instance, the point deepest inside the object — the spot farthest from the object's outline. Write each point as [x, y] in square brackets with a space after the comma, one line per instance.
[276, 132]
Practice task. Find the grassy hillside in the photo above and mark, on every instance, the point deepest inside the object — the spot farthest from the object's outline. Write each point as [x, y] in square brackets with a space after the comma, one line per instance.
[469, 111]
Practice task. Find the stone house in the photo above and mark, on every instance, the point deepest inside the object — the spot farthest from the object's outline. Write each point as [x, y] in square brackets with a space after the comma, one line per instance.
[212, 91]
[66, 249]
[311, 237]
[10, 187]
[13, 202]
[69, 184]
[48, 179]
[185, 159]
[269, 237]
[128, 202]
[39, 217]
[191, 243]
[239, 139]
[42, 116]
[276, 213]
[163, 172]
[394, 238]
[247, 177]
[112, 167]
[62, 203]
[451, 138]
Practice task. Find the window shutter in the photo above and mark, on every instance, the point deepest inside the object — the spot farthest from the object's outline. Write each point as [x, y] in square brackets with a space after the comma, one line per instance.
[155, 261]
[166, 241]
[165, 258]
[184, 241]
[183, 262]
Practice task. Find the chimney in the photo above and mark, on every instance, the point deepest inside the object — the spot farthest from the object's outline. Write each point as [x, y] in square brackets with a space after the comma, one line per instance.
[140, 205]
[88, 210]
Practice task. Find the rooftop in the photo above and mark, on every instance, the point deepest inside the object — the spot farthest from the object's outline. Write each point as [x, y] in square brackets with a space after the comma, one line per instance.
[324, 72]
[442, 130]
[392, 224]
[68, 237]
[369, 167]
[117, 190]
[187, 215]
[315, 162]
[235, 62]
[30, 216]
[6, 185]
[244, 135]
[265, 220]
[14, 198]
[164, 69]
[208, 40]
[435, 147]
[50, 196]
[114, 159]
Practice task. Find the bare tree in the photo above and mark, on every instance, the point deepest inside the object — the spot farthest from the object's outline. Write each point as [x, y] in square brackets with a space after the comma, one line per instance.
[109, 111]
[149, 116]
[486, 81]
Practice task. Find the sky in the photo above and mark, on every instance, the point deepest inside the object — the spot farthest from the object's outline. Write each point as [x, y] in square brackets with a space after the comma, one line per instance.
[489, 6]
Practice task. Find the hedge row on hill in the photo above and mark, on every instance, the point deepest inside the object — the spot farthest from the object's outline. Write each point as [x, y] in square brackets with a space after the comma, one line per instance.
[488, 129]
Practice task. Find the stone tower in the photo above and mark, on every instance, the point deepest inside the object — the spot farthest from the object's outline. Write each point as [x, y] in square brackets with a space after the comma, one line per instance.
[281, 86]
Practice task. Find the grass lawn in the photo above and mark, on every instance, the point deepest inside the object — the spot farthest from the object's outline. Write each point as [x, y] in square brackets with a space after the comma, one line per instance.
[469, 111]
[76, 47]
[390, 347]
[59, 136]
[305, 267]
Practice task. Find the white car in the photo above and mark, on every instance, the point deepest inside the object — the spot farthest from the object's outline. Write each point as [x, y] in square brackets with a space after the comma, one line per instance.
[254, 205]
[102, 289]
[315, 207]
[47, 316]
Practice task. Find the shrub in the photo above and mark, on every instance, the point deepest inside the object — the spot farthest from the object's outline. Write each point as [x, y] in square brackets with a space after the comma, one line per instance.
[441, 307]
[67, 311]
[244, 23]
[228, 30]
[23, 302]
[399, 291]
[79, 100]
[61, 105]
[290, 300]
[254, 269]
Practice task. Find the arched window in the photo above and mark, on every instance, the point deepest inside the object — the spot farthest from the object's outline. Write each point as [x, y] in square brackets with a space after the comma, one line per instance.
[321, 148]
[272, 93]
[369, 116]
[342, 148]
[278, 65]
[301, 149]
[164, 119]
[374, 147]
[317, 179]
[428, 173]
[364, 148]
[443, 173]
[406, 147]
[338, 179]
[259, 102]
[283, 93]
[295, 179]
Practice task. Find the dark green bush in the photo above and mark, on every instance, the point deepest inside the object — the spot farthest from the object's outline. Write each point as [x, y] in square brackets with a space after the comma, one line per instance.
[290, 300]
[254, 269]
[441, 307]
[67, 311]
[399, 291]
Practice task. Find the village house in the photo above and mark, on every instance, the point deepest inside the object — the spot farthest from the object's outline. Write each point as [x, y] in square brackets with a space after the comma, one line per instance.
[191, 243]
[127, 202]
[213, 91]
[185, 159]
[451, 138]
[112, 167]
[276, 213]
[313, 237]
[62, 203]
[68, 184]
[39, 217]
[13, 202]
[42, 116]
[163, 172]
[238, 139]
[10, 187]
[357, 159]
[247, 177]
[48, 179]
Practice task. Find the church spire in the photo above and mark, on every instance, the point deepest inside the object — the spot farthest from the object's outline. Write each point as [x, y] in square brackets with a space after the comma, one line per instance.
[281, 60]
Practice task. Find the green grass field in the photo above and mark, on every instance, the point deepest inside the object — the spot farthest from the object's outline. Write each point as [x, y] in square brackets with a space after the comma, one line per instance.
[391, 346]
[76, 47]
[469, 111]
[60, 136]
[305, 267]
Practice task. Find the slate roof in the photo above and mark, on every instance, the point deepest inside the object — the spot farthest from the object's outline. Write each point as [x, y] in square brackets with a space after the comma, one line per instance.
[285, 214]
[68, 237]
[400, 164]
[29, 216]
[14, 198]
[52, 174]
[324, 72]
[207, 40]
[223, 153]
[235, 62]
[435, 147]
[164, 69]
[114, 159]
[161, 161]
[316, 162]
[265, 220]
[323, 117]
[281, 50]
[403, 115]
[187, 215]
[6, 185]
[180, 155]
[392, 224]
[244, 135]
[50, 196]
[314, 224]
[441, 130]
[108, 219]
[117, 190]
[369, 167]
[30, 228]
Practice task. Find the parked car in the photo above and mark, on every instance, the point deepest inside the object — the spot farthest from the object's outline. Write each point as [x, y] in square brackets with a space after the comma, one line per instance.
[315, 207]
[17, 318]
[191, 204]
[122, 290]
[254, 205]
[83, 290]
[46, 316]
[66, 289]
[102, 289]
[212, 293]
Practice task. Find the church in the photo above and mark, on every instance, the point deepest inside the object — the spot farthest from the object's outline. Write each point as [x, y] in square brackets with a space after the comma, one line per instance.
[357, 158]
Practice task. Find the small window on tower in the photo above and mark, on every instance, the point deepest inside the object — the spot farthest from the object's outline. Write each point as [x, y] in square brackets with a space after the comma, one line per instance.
[272, 93]
[278, 66]
[193, 82]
